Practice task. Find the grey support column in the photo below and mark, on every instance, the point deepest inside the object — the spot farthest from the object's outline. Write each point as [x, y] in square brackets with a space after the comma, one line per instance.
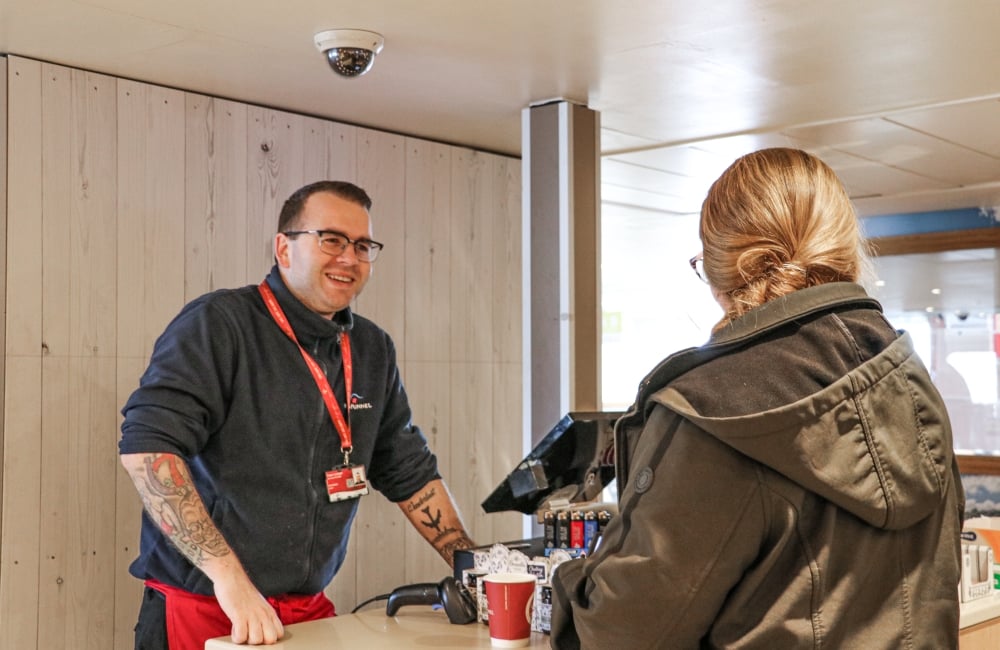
[562, 316]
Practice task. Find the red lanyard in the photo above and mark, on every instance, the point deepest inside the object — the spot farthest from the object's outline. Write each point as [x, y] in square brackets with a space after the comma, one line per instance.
[343, 429]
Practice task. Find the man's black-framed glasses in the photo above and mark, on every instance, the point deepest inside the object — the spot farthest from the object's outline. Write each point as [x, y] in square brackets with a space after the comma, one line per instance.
[334, 243]
[698, 266]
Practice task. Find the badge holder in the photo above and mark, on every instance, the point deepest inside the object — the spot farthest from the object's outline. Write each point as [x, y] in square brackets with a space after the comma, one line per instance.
[346, 481]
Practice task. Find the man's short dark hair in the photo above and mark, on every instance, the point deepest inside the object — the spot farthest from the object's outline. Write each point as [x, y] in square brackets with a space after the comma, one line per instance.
[292, 208]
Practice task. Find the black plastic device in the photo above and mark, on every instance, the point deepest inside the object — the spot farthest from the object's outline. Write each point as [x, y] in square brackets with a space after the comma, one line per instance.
[575, 457]
[455, 599]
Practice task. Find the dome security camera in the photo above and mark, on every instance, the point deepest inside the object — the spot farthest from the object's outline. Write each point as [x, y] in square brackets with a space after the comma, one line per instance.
[350, 52]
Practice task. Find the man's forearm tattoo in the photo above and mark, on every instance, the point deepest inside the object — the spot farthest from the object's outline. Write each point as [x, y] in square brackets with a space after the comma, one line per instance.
[432, 521]
[174, 505]
[448, 549]
[445, 536]
[423, 499]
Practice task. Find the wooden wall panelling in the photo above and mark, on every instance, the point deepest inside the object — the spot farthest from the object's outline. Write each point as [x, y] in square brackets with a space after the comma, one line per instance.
[58, 157]
[150, 282]
[3, 251]
[59, 194]
[58, 129]
[58, 576]
[329, 151]
[507, 424]
[381, 165]
[24, 197]
[151, 205]
[426, 371]
[22, 507]
[472, 397]
[472, 255]
[427, 251]
[78, 309]
[78, 572]
[215, 191]
[379, 553]
[19, 558]
[274, 171]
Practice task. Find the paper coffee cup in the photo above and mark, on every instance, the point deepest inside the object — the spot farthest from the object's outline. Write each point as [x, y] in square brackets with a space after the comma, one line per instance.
[509, 597]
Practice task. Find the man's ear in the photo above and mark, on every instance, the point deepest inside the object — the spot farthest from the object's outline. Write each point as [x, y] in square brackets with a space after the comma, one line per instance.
[281, 250]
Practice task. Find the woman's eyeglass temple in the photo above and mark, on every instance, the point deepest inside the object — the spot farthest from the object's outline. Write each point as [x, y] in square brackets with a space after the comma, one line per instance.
[332, 242]
[698, 266]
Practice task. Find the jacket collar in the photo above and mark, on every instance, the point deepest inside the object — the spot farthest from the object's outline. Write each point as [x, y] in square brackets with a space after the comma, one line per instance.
[755, 323]
[307, 324]
[790, 307]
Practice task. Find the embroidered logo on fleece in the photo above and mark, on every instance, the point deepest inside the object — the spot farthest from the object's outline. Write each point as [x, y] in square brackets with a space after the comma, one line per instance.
[358, 403]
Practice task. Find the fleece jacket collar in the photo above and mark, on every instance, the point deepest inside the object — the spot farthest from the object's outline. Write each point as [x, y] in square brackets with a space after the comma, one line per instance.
[309, 326]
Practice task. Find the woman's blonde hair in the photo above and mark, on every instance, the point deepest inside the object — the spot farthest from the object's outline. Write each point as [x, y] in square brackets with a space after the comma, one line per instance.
[776, 221]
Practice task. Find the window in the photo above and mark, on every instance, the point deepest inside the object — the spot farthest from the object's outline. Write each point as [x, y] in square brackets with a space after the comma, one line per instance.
[947, 302]
[652, 303]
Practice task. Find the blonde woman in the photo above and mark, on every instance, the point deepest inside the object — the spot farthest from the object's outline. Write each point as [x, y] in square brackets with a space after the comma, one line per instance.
[790, 484]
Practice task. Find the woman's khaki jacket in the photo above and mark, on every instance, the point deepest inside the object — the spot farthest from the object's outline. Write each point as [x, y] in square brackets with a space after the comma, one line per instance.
[791, 484]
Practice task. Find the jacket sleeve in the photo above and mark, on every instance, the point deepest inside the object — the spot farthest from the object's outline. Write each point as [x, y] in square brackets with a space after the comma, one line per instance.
[184, 393]
[691, 520]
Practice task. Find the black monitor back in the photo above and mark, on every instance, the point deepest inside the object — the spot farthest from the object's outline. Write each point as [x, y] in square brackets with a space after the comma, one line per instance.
[575, 459]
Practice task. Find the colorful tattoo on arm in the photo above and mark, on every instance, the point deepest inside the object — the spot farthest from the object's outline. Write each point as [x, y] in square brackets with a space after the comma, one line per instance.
[175, 506]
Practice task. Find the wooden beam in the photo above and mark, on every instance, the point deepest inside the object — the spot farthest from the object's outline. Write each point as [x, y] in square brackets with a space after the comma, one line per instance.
[978, 464]
[935, 242]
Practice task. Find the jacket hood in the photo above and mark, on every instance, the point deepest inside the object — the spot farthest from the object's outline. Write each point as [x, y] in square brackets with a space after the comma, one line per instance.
[851, 442]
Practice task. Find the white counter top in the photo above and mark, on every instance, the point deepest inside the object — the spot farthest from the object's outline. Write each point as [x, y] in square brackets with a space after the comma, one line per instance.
[423, 627]
[980, 610]
[412, 627]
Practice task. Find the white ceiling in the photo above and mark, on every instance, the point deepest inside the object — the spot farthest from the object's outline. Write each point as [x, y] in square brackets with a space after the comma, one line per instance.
[901, 97]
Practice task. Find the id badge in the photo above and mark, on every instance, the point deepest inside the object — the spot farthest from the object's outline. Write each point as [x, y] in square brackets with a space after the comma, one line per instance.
[346, 482]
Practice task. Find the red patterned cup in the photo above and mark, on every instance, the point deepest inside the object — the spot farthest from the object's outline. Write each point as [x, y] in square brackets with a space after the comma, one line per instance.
[509, 597]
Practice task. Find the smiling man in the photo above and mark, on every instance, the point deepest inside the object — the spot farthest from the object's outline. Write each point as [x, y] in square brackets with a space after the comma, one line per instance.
[265, 414]
[325, 250]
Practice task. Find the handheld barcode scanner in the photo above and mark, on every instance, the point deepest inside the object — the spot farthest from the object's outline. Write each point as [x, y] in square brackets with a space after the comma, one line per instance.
[451, 596]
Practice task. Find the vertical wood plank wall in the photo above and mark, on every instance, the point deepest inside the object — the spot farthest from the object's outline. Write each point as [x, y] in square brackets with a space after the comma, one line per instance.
[3, 246]
[123, 201]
